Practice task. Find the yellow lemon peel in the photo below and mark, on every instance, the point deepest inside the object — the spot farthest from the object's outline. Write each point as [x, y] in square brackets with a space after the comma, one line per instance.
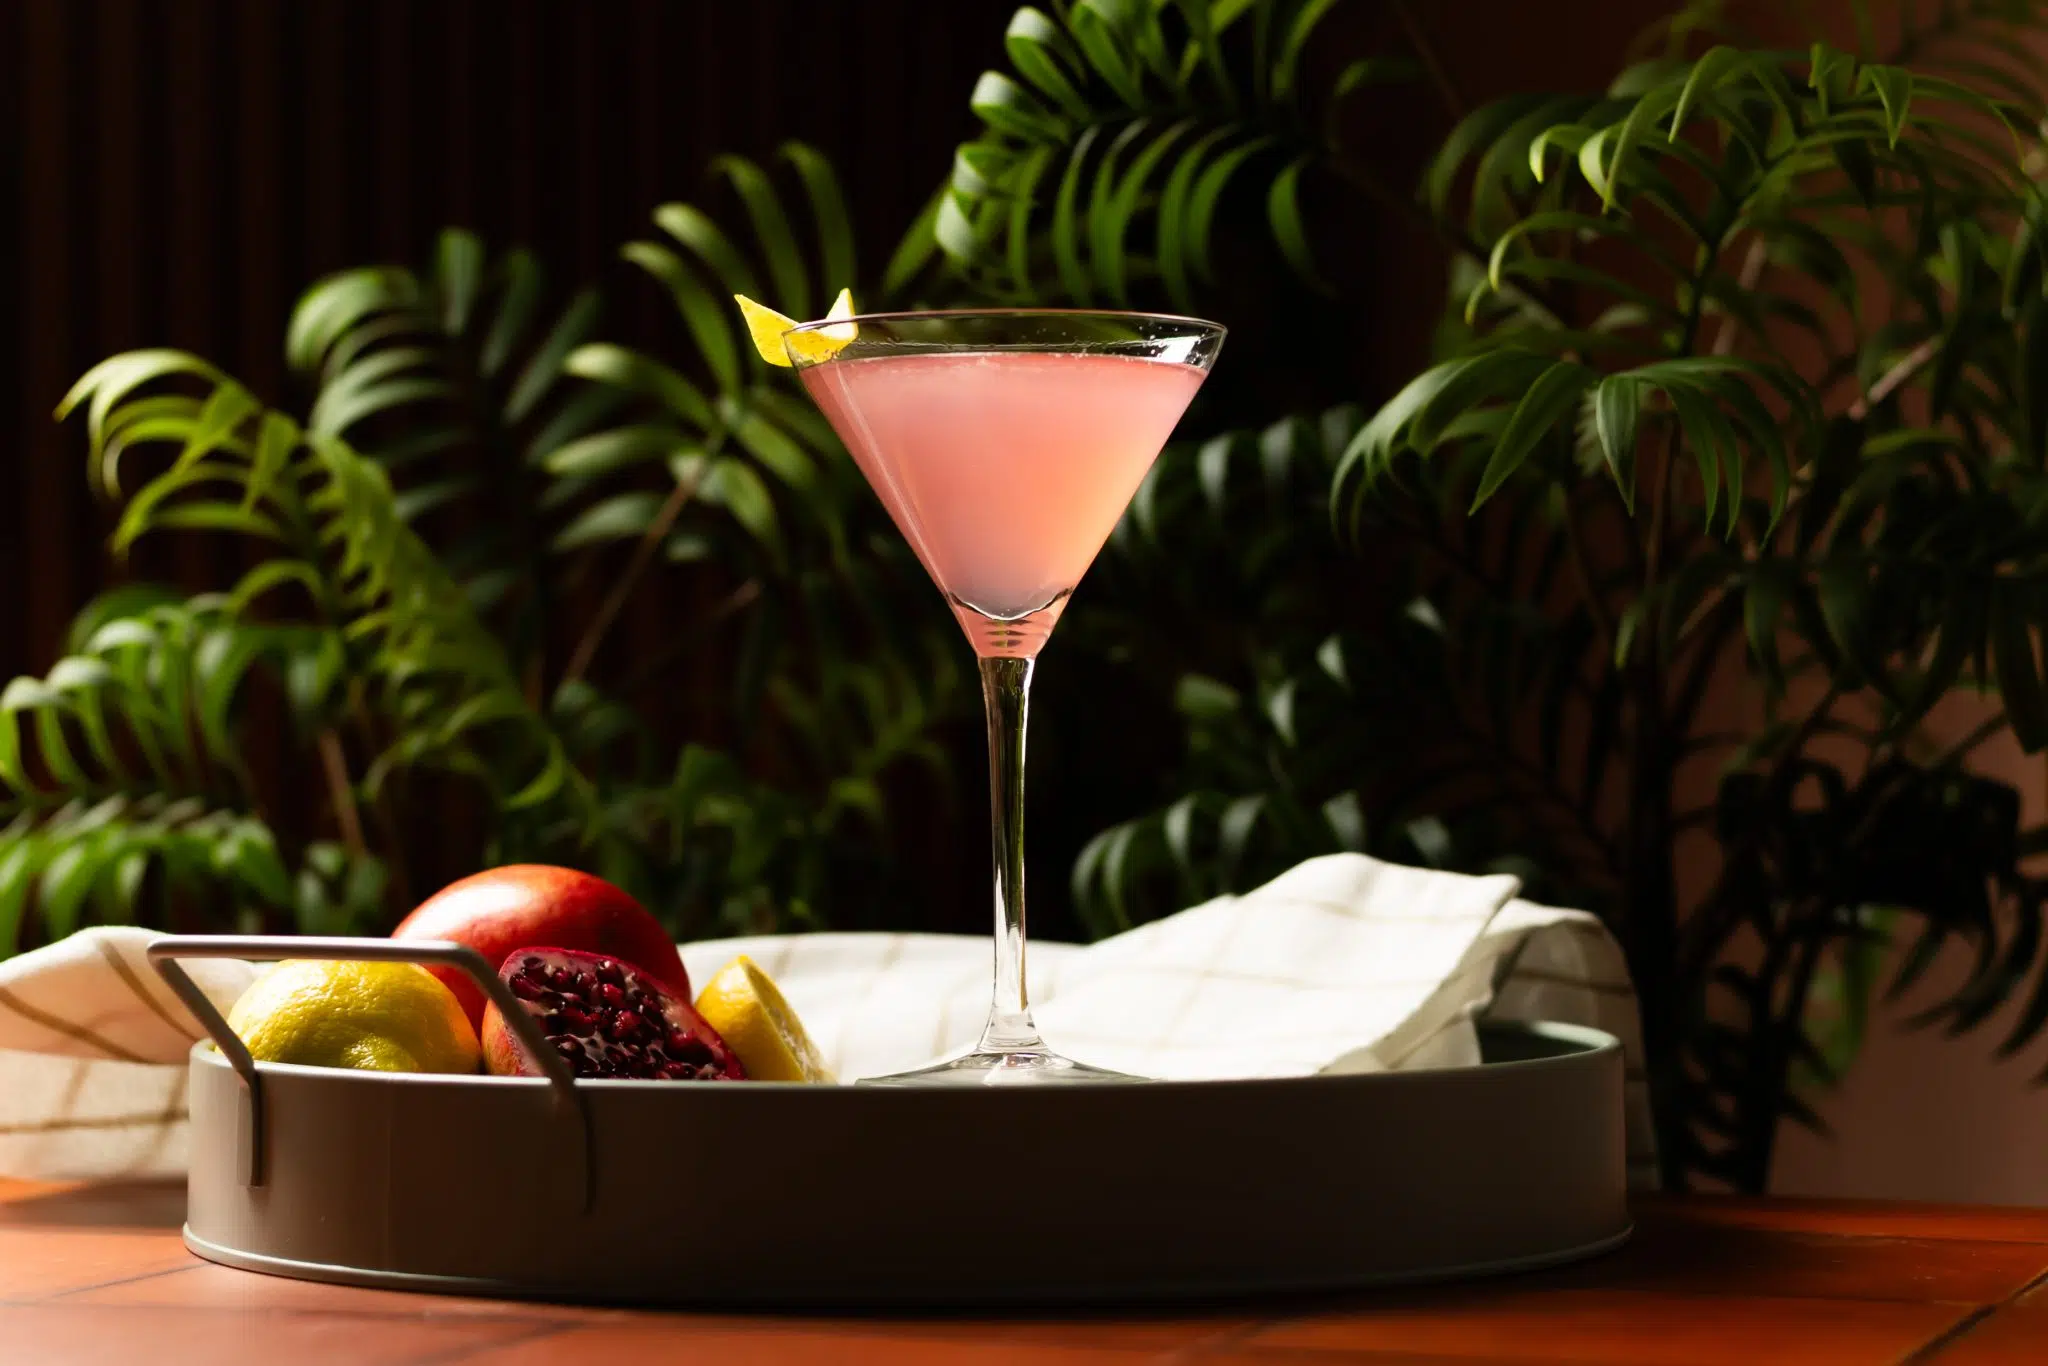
[376, 1017]
[747, 1009]
[769, 328]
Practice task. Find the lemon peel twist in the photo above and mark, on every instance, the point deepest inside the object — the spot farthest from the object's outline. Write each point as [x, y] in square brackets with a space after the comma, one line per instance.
[769, 330]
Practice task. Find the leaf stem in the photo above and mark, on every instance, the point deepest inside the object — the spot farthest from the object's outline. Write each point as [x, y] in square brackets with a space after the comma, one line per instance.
[380, 805]
[643, 556]
[1468, 568]
[1660, 510]
[1539, 782]
[738, 600]
[1692, 691]
[1452, 235]
[1708, 927]
[1455, 103]
[334, 767]
[1752, 270]
[1908, 365]
[1978, 734]
[1596, 606]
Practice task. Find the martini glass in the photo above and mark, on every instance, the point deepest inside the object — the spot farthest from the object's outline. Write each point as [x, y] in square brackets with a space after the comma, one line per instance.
[1005, 444]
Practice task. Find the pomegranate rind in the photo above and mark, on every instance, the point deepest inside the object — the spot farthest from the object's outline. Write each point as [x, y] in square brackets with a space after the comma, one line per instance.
[523, 904]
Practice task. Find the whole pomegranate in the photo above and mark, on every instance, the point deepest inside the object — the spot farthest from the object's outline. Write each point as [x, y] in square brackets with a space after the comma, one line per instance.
[503, 909]
[607, 1018]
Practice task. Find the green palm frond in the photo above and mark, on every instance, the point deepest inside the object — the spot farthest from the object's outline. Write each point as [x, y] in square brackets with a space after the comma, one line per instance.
[392, 630]
[126, 863]
[1309, 689]
[1128, 131]
[453, 380]
[726, 462]
[149, 861]
[142, 706]
[124, 791]
[468, 338]
[726, 457]
[1982, 44]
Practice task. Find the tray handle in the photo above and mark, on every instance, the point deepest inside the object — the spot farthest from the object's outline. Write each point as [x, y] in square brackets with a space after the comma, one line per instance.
[165, 951]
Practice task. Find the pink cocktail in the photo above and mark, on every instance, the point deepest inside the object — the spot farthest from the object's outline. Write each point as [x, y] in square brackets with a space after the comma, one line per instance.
[1004, 470]
[1006, 445]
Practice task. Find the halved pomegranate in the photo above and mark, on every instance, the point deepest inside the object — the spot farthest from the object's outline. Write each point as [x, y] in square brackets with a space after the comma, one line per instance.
[503, 909]
[608, 1018]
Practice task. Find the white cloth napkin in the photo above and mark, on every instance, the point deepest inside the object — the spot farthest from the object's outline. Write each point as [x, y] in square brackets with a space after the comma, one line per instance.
[1342, 964]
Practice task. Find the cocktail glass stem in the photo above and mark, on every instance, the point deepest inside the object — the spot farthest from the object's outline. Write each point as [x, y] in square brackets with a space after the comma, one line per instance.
[1006, 695]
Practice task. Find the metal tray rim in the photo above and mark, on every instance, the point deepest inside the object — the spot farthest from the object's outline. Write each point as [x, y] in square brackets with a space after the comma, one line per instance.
[1034, 1295]
[1585, 1040]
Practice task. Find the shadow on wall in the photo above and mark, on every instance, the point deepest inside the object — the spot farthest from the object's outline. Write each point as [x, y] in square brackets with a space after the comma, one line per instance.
[1923, 1116]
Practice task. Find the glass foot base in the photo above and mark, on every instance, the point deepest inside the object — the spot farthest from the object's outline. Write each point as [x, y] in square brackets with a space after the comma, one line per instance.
[1027, 1067]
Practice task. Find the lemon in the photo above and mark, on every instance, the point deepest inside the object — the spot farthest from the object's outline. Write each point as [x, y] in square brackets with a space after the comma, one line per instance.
[376, 1017]
[748, 1012]
[767, 327]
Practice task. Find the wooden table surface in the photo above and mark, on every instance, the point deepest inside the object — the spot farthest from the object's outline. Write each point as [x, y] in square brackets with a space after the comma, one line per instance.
[96, 1274]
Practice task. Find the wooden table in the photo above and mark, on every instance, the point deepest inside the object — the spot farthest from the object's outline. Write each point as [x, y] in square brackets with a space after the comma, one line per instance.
[96, 1274]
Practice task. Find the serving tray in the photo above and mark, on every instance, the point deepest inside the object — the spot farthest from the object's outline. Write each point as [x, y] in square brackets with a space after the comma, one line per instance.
[768, 1195]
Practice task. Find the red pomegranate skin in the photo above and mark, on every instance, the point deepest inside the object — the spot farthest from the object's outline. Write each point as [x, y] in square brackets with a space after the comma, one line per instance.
[605, 1018]
[522, 904]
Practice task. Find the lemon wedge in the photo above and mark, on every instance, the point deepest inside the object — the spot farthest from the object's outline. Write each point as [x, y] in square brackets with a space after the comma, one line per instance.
[748, 1011]
[767, 328]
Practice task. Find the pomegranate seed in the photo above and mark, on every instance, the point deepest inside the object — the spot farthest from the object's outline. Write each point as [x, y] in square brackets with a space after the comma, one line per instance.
[608, 1021]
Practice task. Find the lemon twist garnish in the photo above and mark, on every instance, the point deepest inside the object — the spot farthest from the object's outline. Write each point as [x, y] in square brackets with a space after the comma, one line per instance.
[769, 328]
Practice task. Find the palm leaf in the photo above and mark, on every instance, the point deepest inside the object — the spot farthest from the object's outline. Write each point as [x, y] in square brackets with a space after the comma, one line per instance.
[1100, 174]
